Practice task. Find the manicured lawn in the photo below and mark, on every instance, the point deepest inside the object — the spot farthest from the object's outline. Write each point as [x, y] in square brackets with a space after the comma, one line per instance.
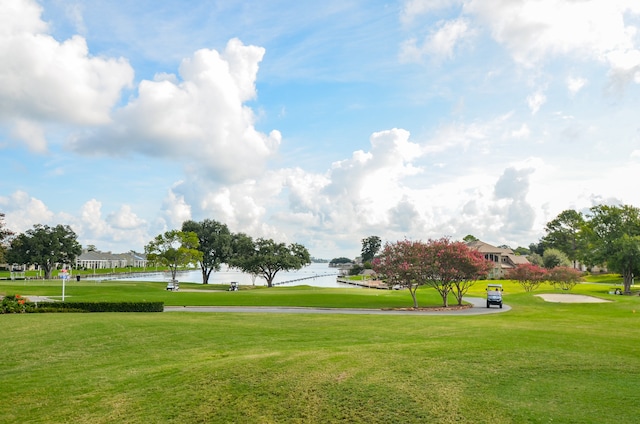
[540, 362]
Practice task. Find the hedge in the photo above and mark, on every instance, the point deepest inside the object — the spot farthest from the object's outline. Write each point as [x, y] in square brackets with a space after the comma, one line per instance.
[99, 306]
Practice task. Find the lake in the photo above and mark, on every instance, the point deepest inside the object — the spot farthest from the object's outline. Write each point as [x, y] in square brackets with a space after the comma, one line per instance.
[316, 274]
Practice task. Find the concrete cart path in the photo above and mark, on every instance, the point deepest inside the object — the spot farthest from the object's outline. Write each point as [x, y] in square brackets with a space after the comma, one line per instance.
[479, 308]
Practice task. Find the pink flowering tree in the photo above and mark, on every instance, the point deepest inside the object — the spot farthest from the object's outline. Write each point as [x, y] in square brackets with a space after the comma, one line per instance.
[401, 264]
[446, 266]
[564, 277]
[529, 276]
[452, 267]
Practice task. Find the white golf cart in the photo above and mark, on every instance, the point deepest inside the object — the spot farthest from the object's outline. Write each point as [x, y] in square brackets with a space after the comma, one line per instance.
[494, 295]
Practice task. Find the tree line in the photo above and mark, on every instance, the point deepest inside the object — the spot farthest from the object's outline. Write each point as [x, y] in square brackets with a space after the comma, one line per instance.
[208, 243]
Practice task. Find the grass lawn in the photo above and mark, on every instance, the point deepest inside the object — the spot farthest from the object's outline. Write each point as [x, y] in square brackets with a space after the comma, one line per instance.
[540, 362]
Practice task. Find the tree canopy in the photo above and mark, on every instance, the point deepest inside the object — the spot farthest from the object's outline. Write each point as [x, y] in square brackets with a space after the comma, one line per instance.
[174, 249]
[564, 233]
[370, 247]
[265, 257]
[612, 234]
[214, 242]
[45, 246]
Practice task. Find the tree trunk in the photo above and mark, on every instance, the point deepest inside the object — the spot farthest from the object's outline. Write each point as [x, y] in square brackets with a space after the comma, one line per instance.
[205, 275]
[413, 290]
[628, 279]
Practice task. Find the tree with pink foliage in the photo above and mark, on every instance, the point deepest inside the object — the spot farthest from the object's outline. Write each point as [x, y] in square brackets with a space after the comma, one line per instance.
[401, 264]
[441, 264]
[564, 277]
[453, 267]
[529, 276]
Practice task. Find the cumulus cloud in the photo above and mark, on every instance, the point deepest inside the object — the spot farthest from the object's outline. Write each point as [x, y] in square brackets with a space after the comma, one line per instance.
[23, 211]
[46, 80]
[575, 84]
[200, 117]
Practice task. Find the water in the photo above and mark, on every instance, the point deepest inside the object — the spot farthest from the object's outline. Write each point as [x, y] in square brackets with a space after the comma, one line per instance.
[322, 276]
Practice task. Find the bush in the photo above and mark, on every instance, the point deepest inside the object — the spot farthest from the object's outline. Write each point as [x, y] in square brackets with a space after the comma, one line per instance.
[14, 304]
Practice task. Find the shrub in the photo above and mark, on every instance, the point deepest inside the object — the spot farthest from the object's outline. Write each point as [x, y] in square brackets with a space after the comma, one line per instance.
[14, 304]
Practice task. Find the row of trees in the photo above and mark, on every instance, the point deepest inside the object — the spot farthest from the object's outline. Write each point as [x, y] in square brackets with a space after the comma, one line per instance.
[211, 244]
[445, 265]
[531, 276]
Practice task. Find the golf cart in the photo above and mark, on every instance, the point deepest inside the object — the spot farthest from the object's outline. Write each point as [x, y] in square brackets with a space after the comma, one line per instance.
[494, 295]
[233, 286]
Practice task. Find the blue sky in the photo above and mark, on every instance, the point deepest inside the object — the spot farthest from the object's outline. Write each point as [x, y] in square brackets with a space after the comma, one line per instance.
[313, 123]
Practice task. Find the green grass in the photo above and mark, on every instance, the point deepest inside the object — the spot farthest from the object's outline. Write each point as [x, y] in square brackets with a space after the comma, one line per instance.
[540, 362]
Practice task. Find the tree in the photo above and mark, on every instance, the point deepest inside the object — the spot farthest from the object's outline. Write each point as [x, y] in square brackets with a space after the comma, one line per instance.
[553, 258]
[5, 236]
[529, 276]
[564, 277]
[370, 247]
[453, 267]
[613, 236]
[46, 247]
[214, 242]
[522, 251]
[266, 258]
[442, 264]
[340, 261]
[401, 264]
[469, 238]
[565, 234]
[174, 249]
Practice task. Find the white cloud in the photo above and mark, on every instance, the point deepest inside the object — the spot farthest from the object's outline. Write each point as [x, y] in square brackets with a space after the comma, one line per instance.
[533, 30]
[125, 219]
[31, 134]
[575, 84]
[23, 211]
[201, 119]
[46, 80]
[440, 44]
[535, 101]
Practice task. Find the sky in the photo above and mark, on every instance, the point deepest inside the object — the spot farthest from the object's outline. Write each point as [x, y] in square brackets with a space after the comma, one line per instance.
[318, 123]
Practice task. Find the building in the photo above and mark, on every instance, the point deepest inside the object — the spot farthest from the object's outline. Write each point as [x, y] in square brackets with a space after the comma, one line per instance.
[95, 259]
[503, 259]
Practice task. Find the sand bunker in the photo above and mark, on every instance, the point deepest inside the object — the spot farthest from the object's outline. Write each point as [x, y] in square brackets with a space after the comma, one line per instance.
[570, 298]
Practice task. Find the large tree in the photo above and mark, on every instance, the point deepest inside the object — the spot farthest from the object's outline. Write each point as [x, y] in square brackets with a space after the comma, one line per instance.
[5, 235]
[401, 264]
[174, 249]
[46, 247]
[265, 257]
[214, 243]
[613, 233]
[370, 247]
[565, 234]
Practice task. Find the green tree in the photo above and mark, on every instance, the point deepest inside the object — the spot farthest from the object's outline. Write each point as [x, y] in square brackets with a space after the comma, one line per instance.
[613, 235]
[266, 258]
[370, 247]
[174, 249]
[214, 242]
[5, 236]
[553, 258]
[469, 238]
[46, 247]
[565, 234]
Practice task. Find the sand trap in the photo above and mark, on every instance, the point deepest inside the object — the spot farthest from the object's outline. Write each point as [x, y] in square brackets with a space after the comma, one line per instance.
[570, 298]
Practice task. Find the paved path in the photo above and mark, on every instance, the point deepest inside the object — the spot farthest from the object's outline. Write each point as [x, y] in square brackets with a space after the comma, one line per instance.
[479, 308]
